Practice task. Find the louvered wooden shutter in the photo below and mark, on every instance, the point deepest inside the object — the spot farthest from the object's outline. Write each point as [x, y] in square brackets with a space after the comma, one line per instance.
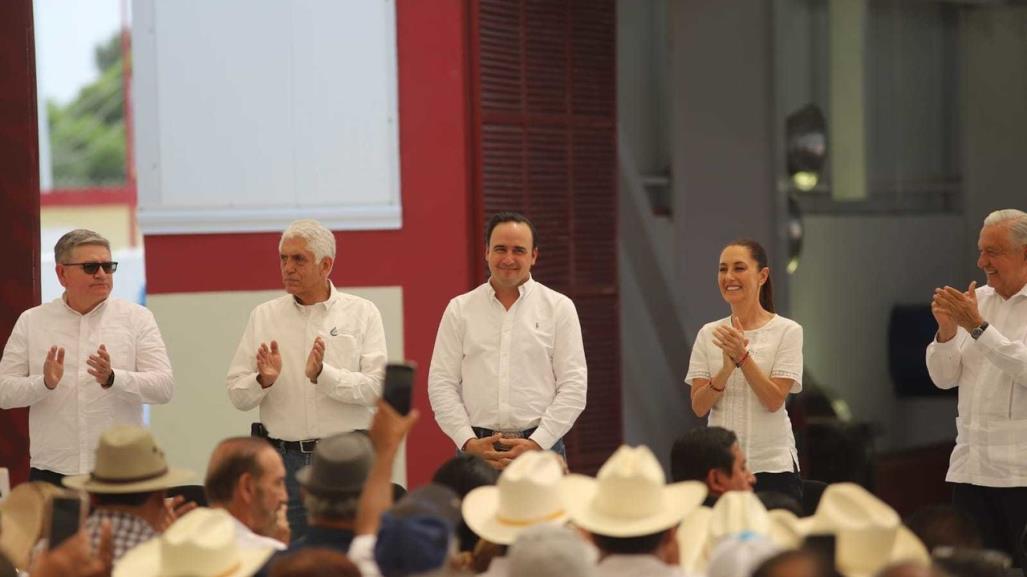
[544, 107]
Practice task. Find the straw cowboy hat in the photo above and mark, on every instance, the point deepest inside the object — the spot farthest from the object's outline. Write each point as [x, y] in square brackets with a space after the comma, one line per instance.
[629, 497]
[734, 513]
[128, 460]
[528, 493]
[202, 543]
[869, 534]
[22, 516]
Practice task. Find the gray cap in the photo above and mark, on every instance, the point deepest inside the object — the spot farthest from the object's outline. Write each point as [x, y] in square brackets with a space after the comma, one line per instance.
[340, 465]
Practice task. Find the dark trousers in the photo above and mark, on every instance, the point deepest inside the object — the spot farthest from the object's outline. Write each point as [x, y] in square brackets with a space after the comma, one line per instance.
[46, 476]
[787, 483]
[1000, 514]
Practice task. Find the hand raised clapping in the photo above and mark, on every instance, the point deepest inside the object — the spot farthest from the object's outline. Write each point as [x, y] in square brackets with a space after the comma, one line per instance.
[952, 307]
[53, 367]
[269, 364]
[315, 360]
[731, 340]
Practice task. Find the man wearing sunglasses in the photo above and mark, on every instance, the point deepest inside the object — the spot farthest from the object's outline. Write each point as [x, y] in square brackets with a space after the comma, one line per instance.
[82, 362]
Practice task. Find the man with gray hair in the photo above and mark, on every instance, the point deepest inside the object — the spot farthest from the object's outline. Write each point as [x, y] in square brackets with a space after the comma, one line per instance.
[82, 362]
[981, 347]
[313, 360]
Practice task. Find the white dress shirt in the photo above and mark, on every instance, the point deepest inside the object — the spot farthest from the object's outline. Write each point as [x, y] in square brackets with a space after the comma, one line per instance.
[350, 384]
[508, 370]
[764, 436]
[991, 373]
[65, 423]
[247, 539]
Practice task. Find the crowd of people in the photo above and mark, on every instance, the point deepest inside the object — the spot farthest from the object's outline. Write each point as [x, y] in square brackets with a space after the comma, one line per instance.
[310, 491]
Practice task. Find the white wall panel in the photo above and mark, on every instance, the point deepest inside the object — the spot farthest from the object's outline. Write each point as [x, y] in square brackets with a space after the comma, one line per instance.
[251, 113]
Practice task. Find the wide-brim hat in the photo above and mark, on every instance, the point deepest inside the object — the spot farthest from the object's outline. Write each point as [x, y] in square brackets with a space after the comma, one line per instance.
[734, 513]
[869, 535]
[128, 460]
[22, 516]
[202, 543]
[629, 497]
[339, 466]
[529, 492]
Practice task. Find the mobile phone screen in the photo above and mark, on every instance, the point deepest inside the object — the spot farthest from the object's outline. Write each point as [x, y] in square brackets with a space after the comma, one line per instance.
[65, 516]
[399, 386]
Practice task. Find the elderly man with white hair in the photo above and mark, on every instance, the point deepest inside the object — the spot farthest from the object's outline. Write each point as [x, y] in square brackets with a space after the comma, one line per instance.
[313, 360]
[981, 347]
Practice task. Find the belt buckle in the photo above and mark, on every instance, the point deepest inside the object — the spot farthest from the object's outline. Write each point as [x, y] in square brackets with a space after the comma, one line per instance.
[308, 446]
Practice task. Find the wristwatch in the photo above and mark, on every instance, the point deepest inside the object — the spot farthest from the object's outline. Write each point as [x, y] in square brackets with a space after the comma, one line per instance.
[978, 331]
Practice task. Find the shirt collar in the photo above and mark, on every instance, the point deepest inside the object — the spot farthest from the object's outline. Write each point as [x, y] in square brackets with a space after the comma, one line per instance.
[64, 301]
[326, 304]
[523, 289]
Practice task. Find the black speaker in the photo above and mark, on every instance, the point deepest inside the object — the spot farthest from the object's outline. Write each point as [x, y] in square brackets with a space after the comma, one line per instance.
[910, 329]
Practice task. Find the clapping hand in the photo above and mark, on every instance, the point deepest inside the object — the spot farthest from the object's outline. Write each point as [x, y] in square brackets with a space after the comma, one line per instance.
[952, 307]
[53, 367]
[269, 364]
[731, 340]
[100, 365]
[315, 360]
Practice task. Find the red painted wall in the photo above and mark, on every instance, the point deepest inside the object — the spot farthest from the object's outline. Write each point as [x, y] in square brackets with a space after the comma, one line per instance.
[19, 197]
[430, 257]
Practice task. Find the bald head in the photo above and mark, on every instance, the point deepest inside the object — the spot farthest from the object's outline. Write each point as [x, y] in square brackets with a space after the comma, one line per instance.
[231, 459]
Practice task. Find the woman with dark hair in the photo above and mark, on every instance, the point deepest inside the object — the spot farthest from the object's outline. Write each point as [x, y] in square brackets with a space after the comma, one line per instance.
[744, 366]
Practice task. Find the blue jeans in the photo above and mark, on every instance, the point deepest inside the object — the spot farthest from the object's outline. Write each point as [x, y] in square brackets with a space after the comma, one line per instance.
[296, 513]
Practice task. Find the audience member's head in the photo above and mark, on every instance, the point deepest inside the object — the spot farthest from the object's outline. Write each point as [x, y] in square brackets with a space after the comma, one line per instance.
[314, 562]
[944, 526]
[462, 474]
[201, 543]
[130, 474]
[739, 554]
[246, 477]
[333, 481]
[528, 493]
[628, 508]
[711, 455]
[552, 551]
[972, 562]
[417, 534]
[794, 563]
[908, 570]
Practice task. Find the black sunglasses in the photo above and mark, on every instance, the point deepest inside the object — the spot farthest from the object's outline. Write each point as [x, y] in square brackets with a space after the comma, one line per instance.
[92, 267]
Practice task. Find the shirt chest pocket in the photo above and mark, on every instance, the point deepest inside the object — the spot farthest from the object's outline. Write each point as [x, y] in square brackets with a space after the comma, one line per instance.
[343, 351]
[121, 346]
[540, 339]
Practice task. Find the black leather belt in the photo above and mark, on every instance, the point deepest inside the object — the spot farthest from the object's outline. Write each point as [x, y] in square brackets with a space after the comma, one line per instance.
[307, 446]
[482, 432]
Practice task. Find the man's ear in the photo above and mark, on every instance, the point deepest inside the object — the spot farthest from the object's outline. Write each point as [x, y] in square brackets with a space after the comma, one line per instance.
[714, 482]
[246, 487]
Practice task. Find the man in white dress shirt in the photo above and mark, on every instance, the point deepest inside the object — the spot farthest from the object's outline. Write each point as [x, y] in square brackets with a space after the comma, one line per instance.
[313, 360]
[83, 362]
[981, 347]
[508, 372]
